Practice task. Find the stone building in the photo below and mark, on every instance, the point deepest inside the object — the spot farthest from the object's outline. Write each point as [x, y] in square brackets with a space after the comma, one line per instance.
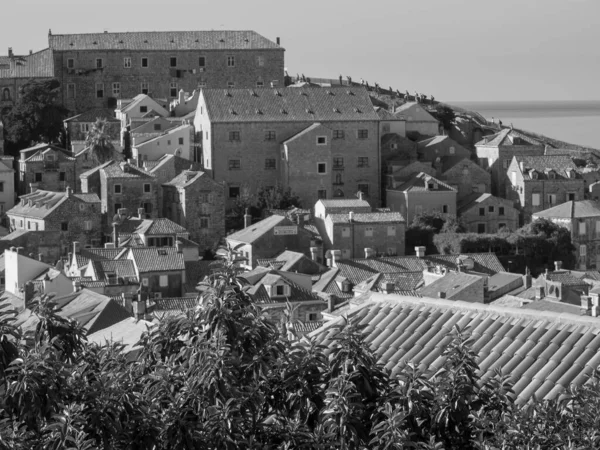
[380, 232]
[418, 121]
[582, 219]
[484, 213]
[536, 183]
[96, 69]
[390, 123]
[196, 202]
[438, 147]
[122, 185]
[324, 138]
[496, 152]
[464, 175]
[419, 194]
[48, 167]
[161, 270]
[77, 128]
[7, 183]
[76, 216]
[178, 141]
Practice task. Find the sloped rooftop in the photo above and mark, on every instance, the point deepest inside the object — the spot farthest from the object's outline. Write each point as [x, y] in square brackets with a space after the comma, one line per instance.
[571, 210]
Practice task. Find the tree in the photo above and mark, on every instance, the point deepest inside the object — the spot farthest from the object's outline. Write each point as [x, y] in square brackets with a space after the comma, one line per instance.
[99, 142]
[37, 115]
[425, 226]
[446, 115]
[276, 197]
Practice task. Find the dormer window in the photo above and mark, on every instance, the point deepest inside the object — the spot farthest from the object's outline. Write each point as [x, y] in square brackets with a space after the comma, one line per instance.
[551, 175]
[278, 290]
[534, 175]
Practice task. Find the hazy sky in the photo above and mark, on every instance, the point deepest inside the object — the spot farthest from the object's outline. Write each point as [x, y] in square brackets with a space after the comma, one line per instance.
[454, 49]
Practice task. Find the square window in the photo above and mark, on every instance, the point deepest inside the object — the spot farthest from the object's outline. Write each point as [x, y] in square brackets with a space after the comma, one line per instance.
[321, 167]
[145, 281]
[38, 177]
[369, 232]
[117, 188]
[482, 211]
[163, 281]
[535, 199]
[157, 126]
[338, 134]
[87, 225]
[118, 206]
[127, 62]
[173, 61]
[363, 134]
[338, 162]
[144, 109]
[62, 176]
[147, 207]
[501, 210]
[582, 229]
[71, 90]
[391, 231]
[364, 188]
[363, 161]
[173, 89]
[64, 226]
[490, 209]
[346, 232]
[571, 196]
[322, 193]
[204, 222]
[70, 63]
[201, 61]
[99, 63]
[146, 187]
[99, 90]
[144, 62]
[501, 225]
[234, 191]
[235, 164]
[231, 61]
[116, 89]
[481, 228]
[180, 141]
[312, 317]
[145, 88]
[270, 136]
[270, 164]
[321, 140]
[234, 136]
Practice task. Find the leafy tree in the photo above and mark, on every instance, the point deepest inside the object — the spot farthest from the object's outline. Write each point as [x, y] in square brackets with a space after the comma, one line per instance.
[37, 115]
[99, 141]
[276, 197]
[425, 226]
[446, 115]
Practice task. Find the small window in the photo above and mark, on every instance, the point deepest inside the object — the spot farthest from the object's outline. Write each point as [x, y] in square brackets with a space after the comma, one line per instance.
[322, 193]
[312, 317]
[363, 134]
[157, 126]
[147, 187]
[270, 164]
[481, 228]
[173, 61]
[260, 61]
[231, 61]
[64, 226]
[552, 199]
[582, 228]
[118, 206]
[571, 196]
[144, 109]
[87, 225]
[364, 188]
[346, 232]
[116, 89]
[505, 163]
[117, 188]
[145, 281]
[204, 223]
[501, 225]
[38, 177]
[62, 176]
[445, 209]
[270, 136]
[127, 62]
[234, 191]
[163, 280]
[582, 250]
[71, 90]
[369, 232]
[338, 162]
[482, 212]
[363, 161]
[452, 150]
[70, 63]
[321, 167]
[535, 199]
[2, 186]
[338, 134]
[99, 63]
[99, 90]
[173, 89]
[501, 210]
[234, 136]
[321, 140]
[144, 62]
[180, 141]
[145, 88]
[201, 61]
[28, 225]
[260, 84]
[235, 164]
[490, 209]
[279, 290]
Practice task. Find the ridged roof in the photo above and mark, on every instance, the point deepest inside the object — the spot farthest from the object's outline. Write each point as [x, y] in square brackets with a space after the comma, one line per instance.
[420, 182]
[41, 204]
[366, 218]
[559, 164]
[162, 40]
[572, 210]
[250, 234]
[477, 199]
[542, 352]
[160, 226]
[157, 259]
[344, 203]
[507, 137]
[93, 114]
[289, 105]
[37, 65]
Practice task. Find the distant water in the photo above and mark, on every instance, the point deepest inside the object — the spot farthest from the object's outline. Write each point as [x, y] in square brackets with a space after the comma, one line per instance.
[572, 122]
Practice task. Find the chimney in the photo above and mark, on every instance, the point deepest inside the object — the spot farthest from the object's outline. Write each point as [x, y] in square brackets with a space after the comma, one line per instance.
[557, 265]
[441, 294]
[115, 234]
[527, 278]
[314, 253]
[539, 292]
[141, 213]
[69, 191]
[181, 97]
[18, 249]
[127, 302]
[586, 305]
[546, 274]
[28, 293]
[10, 52]
[76, 285]
[360, 195]
[32, 188]
[75, 247]
[389, 287]
[139, 306]
[179, 246]
[31, 52]
[70, 256]
[330, 303]
[522, 166]
[420, 251]
[350, 216]
[40, 257]
[247, 219]
[335, 257]
[369, 253]
[277, 39]
[300, 219]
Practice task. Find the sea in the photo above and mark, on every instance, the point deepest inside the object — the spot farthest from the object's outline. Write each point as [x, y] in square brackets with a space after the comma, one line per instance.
[575, 122]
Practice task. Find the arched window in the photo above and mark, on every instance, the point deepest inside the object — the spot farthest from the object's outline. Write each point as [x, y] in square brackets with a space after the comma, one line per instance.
[338, 193]
[6, 94]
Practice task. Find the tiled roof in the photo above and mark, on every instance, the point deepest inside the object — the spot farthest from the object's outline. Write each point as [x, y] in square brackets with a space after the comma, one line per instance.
[345, 203]
[93, 284]
[307, 327]
[419, 182]
[541, 164]
[297, 292]
[507, 137]
[92, 115]
[60, 154]
[185, 178]
[250, 234]
[289, 105]
[98, 253]
[41, 204]
[126, 332]
[435, 141]
[565, 278]
[175, 303]
[541, 352]
[452, 284]
[121, 268]
[572, 209]
[160, 226]
[115, 169]
[390, 217]
[554, 306]
[384, 114]
[403, 109]
[157, 259]
[37, 65]
[477, 199]
[162, 40]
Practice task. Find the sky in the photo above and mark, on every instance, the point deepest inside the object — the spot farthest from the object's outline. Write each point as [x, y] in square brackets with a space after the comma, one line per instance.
[456, 50]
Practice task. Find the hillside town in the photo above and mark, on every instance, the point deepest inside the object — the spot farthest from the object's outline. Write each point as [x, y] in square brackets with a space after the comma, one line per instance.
[335, 199]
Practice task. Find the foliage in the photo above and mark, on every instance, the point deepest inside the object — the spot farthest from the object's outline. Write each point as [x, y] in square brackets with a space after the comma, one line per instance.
[276, 197]
[445, 115]
[37, 115]
[426, 226]
[99, 142]
[222, 376]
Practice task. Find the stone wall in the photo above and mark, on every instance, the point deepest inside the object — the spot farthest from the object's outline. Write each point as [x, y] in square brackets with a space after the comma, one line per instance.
[467, 177]
[352, 239]
[132, 196]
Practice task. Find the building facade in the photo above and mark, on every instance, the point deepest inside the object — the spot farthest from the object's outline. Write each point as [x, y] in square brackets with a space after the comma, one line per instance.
[484, 213]
[48, 167]
[78, 127]
[465, 176]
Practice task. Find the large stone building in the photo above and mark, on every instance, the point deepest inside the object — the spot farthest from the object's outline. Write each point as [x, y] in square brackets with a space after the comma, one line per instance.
[46, 166]
[536, 183]
[418, 121]
[484, 213]
[77, 128]
[464, 175]
[323, 138]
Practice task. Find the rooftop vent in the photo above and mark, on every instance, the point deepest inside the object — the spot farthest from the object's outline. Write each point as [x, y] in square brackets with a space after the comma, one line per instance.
[277, 93]
[253, 93]
[221, 40]
[145, 41]
[71, 44]
[232, 111]
[336, 110]
[357, 110]
[258, 111]
[246, 40]
[309, 111]
[120, 41]
[330, 93]
[95, 43]
[350, 92]
[197, 40]
[227, 94]
[303, 93]
[283, 111]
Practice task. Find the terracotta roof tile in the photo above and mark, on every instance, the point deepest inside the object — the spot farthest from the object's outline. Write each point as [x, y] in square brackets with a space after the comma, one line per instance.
[37, 65]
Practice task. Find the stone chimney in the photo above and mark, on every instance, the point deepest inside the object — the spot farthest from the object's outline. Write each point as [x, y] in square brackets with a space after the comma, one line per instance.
[331, 303]
[420, 251]
[127, 302]
[557, 265]
[389, 287]
[441, 294]
[350, 216]
[32, 188]
[10, 52]
[28, 293]
[300, 220]
[522, 166]
[69, 191]
[247, 219]
[370, 253]
[314, 253]
[75, 247]
[527, 278]
[336, 255]
[179, 246]
[586, 305]
[278, 40]
[141, 213]
[76, 285]
[361, 195]
[40, 257]
[139, 306]
[115, 234]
